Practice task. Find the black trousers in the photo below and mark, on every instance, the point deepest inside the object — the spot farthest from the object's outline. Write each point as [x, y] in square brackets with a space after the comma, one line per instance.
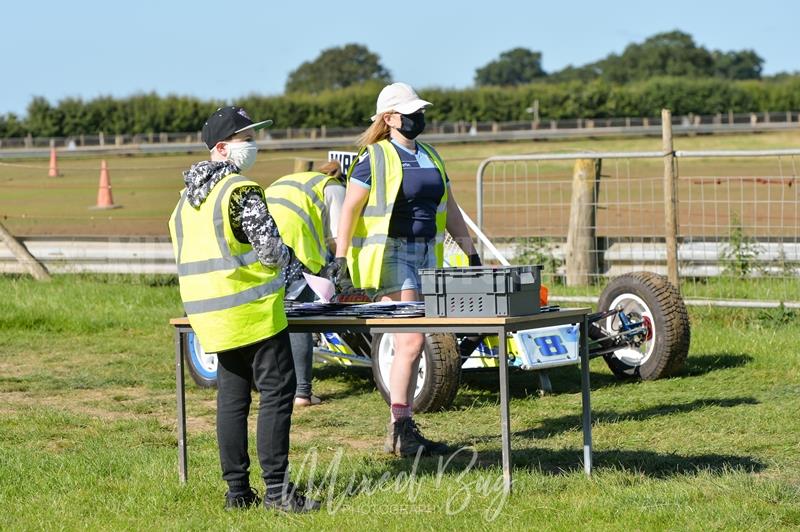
[267, 366]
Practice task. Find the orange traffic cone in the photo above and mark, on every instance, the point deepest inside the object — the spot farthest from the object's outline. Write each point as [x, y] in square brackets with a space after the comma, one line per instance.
[104, 198]
[53, 164]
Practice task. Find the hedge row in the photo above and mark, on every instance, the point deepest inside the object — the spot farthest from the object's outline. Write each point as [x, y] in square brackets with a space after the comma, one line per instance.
[150, 113]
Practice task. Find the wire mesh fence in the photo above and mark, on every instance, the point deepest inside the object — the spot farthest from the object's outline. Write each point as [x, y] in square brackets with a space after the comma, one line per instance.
[739, 226]
[737, 213]
[737, 218]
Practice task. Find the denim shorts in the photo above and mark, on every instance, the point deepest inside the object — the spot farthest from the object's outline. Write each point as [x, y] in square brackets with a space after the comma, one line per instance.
[401, 261]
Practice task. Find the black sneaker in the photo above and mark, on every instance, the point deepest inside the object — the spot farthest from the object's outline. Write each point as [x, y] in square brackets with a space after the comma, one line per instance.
[291, 500]
[247, 499]
[405, 439]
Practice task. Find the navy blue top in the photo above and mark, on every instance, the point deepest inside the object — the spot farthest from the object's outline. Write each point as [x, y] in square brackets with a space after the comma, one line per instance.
[414, 212]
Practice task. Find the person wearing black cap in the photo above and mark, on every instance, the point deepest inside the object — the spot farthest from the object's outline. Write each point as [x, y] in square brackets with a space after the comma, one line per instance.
[231, 270]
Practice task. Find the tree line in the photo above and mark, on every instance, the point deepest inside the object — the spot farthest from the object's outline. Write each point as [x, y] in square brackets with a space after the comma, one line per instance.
[339, 87]
[671, 53]
[351, 107]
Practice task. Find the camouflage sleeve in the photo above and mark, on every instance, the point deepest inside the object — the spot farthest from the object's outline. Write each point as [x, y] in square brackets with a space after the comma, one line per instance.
[250, 219]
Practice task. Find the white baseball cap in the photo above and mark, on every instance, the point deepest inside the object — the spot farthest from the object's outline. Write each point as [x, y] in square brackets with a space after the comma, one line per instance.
[398, 97]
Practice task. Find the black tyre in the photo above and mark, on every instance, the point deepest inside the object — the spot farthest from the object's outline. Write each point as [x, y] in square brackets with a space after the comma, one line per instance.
[658, 303]
[439, 370]
[202, 366]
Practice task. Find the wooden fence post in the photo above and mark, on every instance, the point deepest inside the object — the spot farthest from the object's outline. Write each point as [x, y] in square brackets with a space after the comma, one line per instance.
[303, 165]
[581, 236]
[23, 256]
[670, 199]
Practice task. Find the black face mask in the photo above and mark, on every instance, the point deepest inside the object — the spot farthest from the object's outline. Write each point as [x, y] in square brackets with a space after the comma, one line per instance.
[412, 125]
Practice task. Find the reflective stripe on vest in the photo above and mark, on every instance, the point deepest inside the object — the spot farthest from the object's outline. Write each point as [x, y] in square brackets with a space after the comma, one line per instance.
[227, 261]
[231, 299]
[383, 205]
[365, 255]
[297, 204]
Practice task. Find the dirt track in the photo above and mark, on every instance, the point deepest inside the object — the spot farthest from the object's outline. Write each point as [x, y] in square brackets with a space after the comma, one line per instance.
[520, 200]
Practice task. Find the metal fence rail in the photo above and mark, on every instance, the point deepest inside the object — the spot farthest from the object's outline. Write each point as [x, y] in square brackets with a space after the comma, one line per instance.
[114, 255]
[738, 216]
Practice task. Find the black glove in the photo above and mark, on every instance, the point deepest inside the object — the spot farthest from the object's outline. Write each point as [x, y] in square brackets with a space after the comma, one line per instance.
[336, 272]
[344, 285]
[342, 281]
[475, 260]
[329, 271]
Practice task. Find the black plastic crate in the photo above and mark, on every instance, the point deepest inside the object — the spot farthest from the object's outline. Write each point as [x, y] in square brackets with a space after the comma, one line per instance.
[481, 290]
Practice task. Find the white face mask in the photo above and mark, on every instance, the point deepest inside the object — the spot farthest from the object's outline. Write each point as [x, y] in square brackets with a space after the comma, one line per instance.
[243, 154]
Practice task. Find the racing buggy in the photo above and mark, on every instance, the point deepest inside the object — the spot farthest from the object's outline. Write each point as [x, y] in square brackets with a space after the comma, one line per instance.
[641, 329]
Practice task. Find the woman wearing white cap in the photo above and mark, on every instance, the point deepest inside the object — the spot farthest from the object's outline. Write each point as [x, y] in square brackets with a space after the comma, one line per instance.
[397, 206]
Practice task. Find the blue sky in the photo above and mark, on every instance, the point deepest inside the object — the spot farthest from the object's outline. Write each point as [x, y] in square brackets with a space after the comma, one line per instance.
[227, 49]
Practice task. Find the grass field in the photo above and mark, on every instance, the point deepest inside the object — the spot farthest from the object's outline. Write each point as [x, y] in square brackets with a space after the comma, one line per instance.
[147, 186]
[88, 441]
[770, 289]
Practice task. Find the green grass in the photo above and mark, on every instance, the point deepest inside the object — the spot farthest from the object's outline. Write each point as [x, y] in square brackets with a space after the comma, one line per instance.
[87, 432]
[706, 289]
[728, 287]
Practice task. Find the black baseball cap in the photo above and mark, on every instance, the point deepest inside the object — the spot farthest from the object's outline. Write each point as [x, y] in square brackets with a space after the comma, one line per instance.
[227, 121]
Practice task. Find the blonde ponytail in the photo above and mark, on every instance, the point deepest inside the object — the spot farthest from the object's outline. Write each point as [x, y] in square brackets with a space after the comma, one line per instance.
[377, 131]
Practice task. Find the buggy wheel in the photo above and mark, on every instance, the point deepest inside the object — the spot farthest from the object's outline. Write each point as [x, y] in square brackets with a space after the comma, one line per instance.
[653, 299]
[202, 366]
[439, 370]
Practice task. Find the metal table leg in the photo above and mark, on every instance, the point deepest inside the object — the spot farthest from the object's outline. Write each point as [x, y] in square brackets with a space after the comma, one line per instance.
[587, 409]
[181, 401]
[505, 424]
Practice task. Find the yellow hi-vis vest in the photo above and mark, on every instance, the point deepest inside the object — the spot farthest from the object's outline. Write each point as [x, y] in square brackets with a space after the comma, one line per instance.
[297, 204]
[365, 255]
[231, 299]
